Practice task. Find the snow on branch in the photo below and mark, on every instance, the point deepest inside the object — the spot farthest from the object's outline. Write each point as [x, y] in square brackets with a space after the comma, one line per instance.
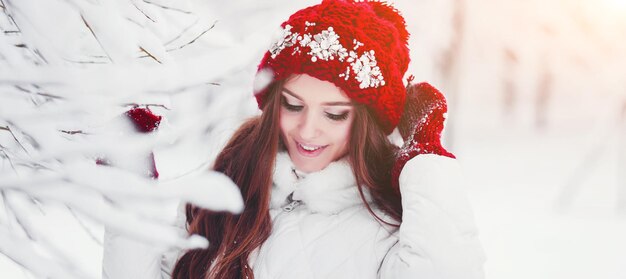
[69, 69]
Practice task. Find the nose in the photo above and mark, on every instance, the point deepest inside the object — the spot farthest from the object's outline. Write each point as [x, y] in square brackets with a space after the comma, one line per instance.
[309, 126]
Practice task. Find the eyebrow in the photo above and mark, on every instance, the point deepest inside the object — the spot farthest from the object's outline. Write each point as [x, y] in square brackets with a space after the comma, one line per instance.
[324, 104]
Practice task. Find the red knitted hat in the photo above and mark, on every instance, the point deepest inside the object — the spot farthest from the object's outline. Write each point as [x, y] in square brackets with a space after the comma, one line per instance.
[361, 47]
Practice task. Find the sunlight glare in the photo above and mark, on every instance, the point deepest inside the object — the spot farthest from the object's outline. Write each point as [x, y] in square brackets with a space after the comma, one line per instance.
[621, 4]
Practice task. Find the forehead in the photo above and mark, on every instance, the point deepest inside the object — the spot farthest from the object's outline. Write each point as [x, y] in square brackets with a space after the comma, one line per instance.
[311, 89]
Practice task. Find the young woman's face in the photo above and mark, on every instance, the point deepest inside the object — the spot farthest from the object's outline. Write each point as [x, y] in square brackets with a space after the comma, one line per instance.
[315, 122]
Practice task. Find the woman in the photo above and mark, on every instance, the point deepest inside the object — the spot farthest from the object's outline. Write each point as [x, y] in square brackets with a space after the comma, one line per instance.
[326, 194]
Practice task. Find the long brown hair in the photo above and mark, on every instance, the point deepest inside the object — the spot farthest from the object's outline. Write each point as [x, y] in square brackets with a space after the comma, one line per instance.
[372, 156]
[248, 159]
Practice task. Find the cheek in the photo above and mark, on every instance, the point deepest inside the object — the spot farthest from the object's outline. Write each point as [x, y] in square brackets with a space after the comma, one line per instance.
[342, 135]
[287, 122]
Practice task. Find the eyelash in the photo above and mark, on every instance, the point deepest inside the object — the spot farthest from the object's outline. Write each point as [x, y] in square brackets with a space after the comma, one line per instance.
[334, 117]
[290, 107]
[337, 117]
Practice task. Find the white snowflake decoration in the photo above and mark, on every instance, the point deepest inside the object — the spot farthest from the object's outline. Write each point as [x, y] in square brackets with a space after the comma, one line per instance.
[366, 71]
[288, 39]
[326, 46]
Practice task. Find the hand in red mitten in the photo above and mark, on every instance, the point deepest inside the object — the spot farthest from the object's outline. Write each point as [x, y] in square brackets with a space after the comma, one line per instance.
[421, 126]
[144, 121]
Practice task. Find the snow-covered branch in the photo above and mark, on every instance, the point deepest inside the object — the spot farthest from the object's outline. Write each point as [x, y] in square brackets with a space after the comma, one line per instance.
[69, 69]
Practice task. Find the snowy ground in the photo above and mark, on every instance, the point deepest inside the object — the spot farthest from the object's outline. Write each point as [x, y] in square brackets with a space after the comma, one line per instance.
[518, 181]
[549, 202]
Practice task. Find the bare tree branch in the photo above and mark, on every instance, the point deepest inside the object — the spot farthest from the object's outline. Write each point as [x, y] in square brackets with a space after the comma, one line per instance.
[134, 105]
[12, 211]
[29, 164]
[182, 89]
[167, 8]
[16, 140]
[36, 51]
[149, 54]
[84, 62]
[34, 166]
[12, 20]
[6, 155]
[38, 93]
[182, 32]
[73, 132]
[34, 233]
[140, 10]
[196, 38]
[96, 37]
[66, 165]
[182, 46]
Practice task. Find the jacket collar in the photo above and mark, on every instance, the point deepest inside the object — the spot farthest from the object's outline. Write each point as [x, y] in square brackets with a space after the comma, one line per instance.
[329, 191]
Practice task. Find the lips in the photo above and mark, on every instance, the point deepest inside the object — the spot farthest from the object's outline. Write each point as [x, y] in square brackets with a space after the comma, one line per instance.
[310, 150]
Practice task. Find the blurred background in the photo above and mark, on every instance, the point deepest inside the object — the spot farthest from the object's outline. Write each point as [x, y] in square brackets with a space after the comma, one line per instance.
[537, 117]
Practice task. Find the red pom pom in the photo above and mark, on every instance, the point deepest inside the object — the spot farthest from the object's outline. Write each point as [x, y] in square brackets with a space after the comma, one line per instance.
[143, 118]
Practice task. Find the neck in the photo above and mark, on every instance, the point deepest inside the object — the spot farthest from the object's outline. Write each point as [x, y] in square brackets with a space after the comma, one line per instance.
[329, 190]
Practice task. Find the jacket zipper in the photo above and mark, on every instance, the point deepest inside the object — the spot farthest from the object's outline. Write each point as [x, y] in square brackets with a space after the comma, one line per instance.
[292, 204]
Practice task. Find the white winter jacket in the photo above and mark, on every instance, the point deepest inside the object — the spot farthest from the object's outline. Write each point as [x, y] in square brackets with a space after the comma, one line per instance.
[321, 229]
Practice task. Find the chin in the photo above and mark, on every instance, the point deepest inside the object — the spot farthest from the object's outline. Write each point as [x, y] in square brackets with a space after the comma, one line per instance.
[309, 166]
[309, 162]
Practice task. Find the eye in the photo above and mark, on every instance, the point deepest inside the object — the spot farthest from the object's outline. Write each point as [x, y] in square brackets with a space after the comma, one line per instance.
[337, 117]
[289, 106]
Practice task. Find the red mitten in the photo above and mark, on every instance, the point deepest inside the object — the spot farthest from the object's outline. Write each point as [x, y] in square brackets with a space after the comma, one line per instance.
[144, 121]
[143, 118]
[421, 126]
